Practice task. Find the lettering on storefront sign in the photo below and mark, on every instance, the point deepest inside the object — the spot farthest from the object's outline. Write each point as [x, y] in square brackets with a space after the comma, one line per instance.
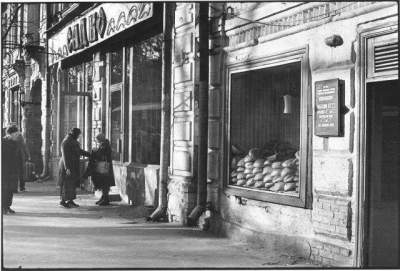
[99, 25]
[327, 107]
[79, 37]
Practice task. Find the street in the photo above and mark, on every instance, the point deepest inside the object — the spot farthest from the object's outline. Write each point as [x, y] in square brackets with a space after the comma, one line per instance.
[42, 234]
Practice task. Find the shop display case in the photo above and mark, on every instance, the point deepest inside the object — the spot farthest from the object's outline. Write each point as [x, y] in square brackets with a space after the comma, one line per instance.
[266, 139]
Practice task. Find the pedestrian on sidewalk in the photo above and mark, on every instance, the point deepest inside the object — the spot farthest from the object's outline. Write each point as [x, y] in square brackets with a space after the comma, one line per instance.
[100, 168]
[23, 157]
[69, 168]
[10, 168]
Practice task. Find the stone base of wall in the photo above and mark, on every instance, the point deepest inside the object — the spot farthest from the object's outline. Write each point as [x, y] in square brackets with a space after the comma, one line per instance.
[270, 242]
[313, 250]
[181, 199]
[329, 254]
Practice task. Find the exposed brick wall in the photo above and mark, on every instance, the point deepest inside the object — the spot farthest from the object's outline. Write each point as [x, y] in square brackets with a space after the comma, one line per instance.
[329, 254]
[332, 217]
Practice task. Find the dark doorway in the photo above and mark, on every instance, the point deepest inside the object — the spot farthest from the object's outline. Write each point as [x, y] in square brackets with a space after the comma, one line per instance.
[383, 178]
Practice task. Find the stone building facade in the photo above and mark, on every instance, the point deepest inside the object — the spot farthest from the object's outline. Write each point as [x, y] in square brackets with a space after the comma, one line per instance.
[324, 215]
[24, 91]
[289, 126]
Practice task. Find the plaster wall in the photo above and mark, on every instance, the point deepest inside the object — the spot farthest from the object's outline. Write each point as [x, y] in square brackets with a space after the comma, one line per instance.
[326, 232]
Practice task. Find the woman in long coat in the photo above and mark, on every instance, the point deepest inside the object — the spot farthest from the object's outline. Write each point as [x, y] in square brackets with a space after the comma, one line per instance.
[102, 181]
[69, 168]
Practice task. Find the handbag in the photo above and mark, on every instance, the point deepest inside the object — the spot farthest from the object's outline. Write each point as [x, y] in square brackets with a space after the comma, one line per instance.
[28, 173]
[103, 167]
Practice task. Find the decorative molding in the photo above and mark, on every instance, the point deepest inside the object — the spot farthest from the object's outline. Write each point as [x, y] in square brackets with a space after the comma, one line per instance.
[183, 101]
[184, 15]
[249, 33]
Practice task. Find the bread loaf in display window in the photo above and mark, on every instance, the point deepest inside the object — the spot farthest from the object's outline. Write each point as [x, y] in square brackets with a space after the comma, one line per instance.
[265, 170]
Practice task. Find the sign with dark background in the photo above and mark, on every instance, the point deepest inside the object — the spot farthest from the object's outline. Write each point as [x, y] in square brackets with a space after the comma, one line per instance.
[327, 108]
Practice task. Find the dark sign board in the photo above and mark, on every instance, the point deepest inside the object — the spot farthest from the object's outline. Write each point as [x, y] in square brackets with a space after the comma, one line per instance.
[327, 108]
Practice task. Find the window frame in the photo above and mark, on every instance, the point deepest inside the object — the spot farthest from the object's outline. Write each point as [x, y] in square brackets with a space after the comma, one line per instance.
[303, 199]
[123, 144]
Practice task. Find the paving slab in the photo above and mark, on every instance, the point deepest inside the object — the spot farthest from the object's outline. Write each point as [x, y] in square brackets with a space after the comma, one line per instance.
[42, 234]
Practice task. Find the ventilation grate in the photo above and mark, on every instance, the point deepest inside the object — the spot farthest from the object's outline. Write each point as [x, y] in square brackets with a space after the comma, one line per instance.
[386, 57]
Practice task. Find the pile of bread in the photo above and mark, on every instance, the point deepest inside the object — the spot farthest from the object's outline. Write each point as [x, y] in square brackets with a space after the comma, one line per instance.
[269, 173]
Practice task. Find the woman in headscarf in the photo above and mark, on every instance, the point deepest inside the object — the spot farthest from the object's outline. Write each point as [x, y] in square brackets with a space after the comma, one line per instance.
[100, 168]
[70, 168]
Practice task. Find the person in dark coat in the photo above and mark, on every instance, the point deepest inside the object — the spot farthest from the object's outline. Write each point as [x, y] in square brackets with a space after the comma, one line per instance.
[23, 157]
[101, 180]
[10, 168]
[69, 173]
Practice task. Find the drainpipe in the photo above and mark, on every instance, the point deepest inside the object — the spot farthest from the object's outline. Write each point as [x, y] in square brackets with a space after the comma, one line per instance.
[46, 139]
[203, 116]
[168, 20]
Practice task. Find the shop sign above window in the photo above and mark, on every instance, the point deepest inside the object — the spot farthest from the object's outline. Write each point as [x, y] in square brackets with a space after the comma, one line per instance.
[98, 25]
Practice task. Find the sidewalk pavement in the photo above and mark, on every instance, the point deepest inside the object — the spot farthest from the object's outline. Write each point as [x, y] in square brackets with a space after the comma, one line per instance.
[42, 234]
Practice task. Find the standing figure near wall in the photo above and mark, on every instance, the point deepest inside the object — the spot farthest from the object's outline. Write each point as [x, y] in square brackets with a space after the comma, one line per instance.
[69, 174]
[10, 169]
[23, 157]
[100, 168]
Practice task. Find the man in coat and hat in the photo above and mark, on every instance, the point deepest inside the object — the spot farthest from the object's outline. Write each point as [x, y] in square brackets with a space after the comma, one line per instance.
[69, 168]
[10, 168]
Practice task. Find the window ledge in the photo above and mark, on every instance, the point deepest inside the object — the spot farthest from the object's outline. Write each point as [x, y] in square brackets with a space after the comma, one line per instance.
[265, 196]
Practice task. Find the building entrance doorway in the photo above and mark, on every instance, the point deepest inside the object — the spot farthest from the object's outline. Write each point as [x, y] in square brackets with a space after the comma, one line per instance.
[383, 175]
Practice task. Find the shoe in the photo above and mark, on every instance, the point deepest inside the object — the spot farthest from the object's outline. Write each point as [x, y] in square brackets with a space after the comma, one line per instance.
[5, 211]
[72, 204]
[10, 211]
[64, 204]
[104, 203]
[22, 190]
[100, 200]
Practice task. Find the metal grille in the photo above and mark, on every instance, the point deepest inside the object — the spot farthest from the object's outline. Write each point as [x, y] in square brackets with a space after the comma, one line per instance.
[386, 57]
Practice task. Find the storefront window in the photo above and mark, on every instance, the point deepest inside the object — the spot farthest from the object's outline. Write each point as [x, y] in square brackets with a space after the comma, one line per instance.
[146, 104]
[116, 67]
[265, 130]
[75, 106]
[116, 102]
[14, 106]
[89, 76]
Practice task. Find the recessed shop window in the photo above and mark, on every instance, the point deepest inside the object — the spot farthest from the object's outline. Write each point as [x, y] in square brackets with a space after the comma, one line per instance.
[14, 106]
[75, 105]
[266, 139]
[146, 102]
[116, 104]
[116, 67]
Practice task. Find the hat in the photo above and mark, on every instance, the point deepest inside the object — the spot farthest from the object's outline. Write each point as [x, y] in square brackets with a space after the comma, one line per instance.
[11, 129]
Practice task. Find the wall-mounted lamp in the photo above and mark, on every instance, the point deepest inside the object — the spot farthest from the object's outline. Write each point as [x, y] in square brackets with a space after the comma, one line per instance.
[287, 104]
[334, 41]
[229, 14]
